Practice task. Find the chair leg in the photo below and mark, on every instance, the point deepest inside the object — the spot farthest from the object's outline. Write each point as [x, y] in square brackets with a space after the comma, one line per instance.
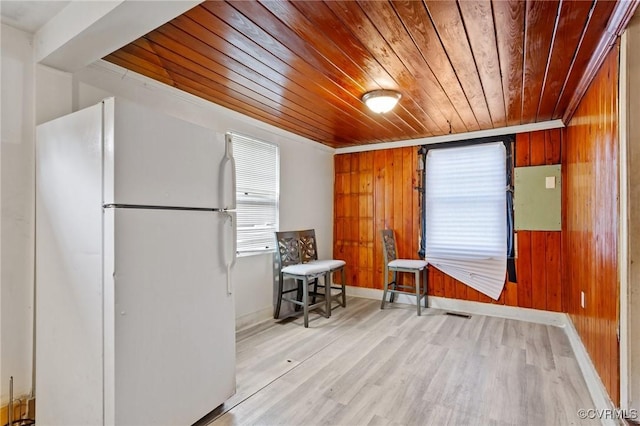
[315, 291]
[394, 283]
[418, 292]
[386, 284]
[305, 301]
[327, 294]
[426, 288]
[344, 291]
[298, 295]
[276, 313]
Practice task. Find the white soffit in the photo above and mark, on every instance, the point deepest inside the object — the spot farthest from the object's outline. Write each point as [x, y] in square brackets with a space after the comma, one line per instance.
[86, 31]
[522, 128]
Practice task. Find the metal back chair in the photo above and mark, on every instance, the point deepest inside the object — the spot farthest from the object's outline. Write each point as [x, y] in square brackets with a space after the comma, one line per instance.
[394, 265]
[289, 265]
[309, 254]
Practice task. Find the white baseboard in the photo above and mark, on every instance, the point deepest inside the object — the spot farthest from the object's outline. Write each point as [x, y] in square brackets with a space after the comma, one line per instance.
[599, 395]
[477, 308]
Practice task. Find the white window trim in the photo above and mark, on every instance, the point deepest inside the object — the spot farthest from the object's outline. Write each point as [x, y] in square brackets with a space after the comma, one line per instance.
[243, 179]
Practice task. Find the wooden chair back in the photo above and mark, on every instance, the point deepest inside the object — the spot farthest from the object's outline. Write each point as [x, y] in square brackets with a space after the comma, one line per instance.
[389, 245]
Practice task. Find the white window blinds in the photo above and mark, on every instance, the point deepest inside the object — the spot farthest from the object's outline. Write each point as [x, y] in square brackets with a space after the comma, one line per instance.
[466, 223]
[257, 172]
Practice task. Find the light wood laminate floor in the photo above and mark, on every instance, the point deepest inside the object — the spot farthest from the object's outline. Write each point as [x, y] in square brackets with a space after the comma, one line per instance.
[366, 366]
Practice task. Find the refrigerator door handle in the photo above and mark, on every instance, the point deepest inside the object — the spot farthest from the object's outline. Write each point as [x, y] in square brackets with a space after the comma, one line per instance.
[228, 159]
[231, 261]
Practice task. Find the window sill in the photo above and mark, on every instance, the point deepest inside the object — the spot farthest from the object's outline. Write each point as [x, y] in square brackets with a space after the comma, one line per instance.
[255, 253]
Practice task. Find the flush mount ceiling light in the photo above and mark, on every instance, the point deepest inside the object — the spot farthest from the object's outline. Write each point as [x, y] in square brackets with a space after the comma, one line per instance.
[381, 101]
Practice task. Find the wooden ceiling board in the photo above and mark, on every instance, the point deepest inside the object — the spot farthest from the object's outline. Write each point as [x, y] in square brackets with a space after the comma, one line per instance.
[479, 24]
[369, 69]
[421, 30]
[275, 57]
[573, 14]
[460, 66]
[272, 77]
[353, 16]
[410, 112]
[540, 25]
[448, 22]
[314, 67]
[203, 70]
[593, 32]
[427, 90]
[509, 22]
[241, 77]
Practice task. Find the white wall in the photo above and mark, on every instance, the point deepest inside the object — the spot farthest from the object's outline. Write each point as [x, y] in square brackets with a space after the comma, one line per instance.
[16, 211]
[35, 94]
[306, 167]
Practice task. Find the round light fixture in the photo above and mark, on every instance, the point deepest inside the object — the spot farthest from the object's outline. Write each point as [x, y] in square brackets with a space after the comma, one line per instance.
[381, 101]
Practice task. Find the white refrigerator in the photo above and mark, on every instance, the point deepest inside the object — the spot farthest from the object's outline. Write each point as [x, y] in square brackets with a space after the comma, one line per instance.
[135, 244]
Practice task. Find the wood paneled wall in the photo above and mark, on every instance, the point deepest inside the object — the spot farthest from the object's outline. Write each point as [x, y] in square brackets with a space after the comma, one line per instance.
[590, 232]
[376, 189]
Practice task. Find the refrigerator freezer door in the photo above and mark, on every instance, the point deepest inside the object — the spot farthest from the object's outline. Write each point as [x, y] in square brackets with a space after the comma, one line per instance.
[69, 269]
[158, 160]
[173, 358]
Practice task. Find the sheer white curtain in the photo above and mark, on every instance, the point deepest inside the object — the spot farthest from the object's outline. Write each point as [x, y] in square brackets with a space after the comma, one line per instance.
[466, 231]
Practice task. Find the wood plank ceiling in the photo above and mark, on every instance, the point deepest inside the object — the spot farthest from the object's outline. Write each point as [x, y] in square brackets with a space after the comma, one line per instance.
[303, 66]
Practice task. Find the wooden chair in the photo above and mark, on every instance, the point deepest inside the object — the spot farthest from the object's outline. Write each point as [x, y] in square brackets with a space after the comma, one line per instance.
[309, 254]
[394, 265]
[289, 265]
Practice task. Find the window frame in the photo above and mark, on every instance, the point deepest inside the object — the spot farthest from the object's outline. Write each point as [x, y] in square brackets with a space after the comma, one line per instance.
[257, 198]
[510, 146]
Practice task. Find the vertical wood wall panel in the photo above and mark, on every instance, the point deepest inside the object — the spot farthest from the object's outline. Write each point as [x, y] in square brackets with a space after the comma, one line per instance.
[386, 197]
[590, 230]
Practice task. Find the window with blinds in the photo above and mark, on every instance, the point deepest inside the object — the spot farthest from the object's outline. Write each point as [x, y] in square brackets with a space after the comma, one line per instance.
[257, 173]
[465, 208]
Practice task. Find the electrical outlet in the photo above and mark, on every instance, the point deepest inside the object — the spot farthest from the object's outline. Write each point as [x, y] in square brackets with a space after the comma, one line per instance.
[582, 299]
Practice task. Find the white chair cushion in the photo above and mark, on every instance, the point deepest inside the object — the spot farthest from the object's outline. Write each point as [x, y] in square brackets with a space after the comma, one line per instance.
[330, 264]
[305, 269]
[408, 264]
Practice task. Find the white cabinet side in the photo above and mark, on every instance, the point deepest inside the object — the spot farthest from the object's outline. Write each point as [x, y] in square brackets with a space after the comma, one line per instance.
[69, 328]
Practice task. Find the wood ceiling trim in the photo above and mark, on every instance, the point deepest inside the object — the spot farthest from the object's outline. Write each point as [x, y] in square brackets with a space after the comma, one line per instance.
[592, 33]
[138, 57]
[133, 62]
[566, 41]
[618, 21]
[509, 21]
